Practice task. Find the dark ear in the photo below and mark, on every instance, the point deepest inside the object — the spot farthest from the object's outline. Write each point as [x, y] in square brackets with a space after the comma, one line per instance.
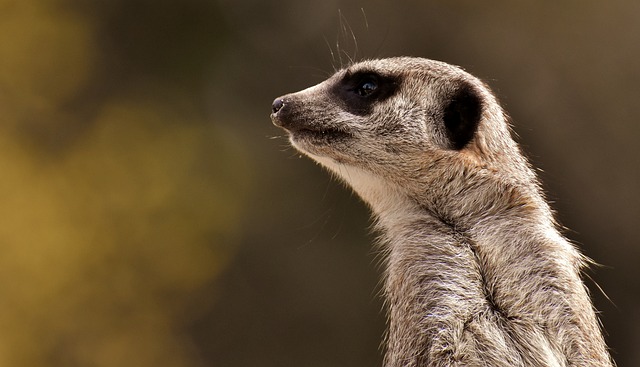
[462, 115]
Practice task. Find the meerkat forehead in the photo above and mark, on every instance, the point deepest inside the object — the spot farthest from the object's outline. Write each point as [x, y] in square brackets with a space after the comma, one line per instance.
[428, 72]
[407, 66]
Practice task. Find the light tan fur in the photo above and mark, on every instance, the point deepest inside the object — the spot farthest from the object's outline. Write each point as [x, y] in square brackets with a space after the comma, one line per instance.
[477, 273]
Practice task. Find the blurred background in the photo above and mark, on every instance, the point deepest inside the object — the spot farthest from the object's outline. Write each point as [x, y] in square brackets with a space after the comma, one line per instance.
[151, 215]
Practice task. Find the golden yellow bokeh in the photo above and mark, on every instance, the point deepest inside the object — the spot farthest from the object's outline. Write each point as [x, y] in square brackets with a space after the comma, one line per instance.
[104, 237]
[46, 55]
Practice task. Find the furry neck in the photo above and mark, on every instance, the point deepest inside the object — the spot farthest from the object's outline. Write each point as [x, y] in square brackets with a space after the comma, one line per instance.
[504, 293]
[499, 290]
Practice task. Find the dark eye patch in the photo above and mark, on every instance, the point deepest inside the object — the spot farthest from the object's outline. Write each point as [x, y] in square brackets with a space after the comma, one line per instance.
[358, 92]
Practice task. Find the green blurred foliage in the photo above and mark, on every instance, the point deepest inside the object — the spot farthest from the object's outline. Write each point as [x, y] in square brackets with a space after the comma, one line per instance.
[111, 216]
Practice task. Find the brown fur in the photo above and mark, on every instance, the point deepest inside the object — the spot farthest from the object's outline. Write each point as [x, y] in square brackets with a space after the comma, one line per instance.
[477, 273]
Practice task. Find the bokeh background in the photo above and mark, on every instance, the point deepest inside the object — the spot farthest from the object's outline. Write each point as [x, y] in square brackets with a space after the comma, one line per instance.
[151, 215]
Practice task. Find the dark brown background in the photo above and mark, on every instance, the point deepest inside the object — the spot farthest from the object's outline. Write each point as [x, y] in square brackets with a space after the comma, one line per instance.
[151, 215]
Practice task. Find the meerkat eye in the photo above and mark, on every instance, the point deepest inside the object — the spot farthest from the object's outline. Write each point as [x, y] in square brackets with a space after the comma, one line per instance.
[360, 91]
[366, 87]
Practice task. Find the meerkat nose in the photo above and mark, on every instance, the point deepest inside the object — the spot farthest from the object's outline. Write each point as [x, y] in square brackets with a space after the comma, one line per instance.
[277, 105]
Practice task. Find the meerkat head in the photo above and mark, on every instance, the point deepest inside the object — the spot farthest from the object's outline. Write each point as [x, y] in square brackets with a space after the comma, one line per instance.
[395, 118]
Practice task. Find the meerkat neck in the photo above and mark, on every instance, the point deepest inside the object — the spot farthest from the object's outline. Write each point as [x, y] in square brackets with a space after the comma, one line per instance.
[507, 281]
[511, 281]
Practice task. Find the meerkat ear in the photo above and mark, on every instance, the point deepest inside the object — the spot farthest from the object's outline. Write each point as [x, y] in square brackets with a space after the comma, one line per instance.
[462, 115]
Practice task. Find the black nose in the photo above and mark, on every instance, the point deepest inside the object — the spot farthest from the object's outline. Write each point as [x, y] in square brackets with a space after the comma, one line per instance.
[277, 105]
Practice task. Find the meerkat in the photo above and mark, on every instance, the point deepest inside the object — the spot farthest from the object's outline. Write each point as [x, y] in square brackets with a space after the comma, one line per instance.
[477, 272]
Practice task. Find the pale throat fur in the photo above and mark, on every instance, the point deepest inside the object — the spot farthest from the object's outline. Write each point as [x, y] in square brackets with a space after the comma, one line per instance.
[477, 272]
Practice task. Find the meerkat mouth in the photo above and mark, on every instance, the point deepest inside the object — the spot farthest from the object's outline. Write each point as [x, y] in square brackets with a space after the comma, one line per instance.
[313, 135]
